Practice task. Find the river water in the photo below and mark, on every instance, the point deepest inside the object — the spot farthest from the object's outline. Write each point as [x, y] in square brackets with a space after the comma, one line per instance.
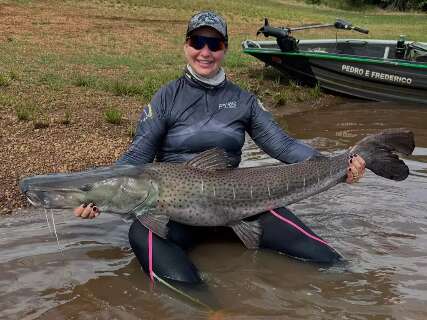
[380, 227]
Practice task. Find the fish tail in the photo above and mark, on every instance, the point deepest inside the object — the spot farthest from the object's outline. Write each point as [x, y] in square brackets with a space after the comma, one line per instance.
[379, 152]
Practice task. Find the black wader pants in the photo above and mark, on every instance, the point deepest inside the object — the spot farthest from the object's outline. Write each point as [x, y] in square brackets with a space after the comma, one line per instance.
[171, 261]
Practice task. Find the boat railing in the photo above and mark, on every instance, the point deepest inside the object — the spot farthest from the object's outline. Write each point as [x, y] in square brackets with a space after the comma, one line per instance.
[381, 49]
[287, 42]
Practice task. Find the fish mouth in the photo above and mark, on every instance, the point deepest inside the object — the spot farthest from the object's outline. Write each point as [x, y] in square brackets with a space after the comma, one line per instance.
[52, 198]
[33, 199]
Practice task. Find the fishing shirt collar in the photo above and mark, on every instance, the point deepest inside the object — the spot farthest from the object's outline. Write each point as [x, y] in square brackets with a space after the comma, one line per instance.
[217, 81]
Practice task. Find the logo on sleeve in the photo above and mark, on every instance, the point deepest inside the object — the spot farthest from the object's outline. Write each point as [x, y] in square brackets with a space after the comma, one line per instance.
[147, 113]
[261, 105]
[228, 105]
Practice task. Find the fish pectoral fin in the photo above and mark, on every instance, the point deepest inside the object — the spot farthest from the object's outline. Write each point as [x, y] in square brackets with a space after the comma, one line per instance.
[249, 232]
[156, 223]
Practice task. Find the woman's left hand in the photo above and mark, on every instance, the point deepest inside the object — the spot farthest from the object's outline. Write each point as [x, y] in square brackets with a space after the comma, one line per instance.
[356, 168]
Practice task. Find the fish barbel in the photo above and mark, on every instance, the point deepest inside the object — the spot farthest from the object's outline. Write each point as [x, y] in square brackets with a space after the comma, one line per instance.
[207, 192]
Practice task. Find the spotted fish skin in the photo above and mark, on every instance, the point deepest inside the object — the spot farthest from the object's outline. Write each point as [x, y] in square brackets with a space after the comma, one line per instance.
[217, 197]
[206, 192]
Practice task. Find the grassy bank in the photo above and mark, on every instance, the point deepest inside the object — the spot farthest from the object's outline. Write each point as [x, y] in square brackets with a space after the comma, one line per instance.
[74, 74]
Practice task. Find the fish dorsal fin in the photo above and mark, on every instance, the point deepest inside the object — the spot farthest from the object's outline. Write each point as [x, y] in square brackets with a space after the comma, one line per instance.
[212, 159]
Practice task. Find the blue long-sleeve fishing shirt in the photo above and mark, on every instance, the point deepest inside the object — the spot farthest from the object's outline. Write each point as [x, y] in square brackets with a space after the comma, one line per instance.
[186, 117]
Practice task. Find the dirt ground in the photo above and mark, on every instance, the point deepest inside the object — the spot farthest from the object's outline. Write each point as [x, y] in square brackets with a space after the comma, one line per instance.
[87, 140]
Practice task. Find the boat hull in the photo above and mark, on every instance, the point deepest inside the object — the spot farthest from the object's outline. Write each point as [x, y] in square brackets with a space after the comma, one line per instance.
[370, 78]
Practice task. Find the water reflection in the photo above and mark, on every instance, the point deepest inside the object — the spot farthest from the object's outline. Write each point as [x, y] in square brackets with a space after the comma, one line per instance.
[380, 227]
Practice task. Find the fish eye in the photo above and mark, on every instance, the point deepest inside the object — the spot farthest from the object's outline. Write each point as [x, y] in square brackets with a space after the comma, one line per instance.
[86, 187]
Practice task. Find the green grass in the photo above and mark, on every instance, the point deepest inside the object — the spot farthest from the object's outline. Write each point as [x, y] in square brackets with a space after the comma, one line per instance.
[143, 85]
[108, 61]
[131, 130]
[130, 48]
[25, 111]
[28, 111]
[5, 80]
[81, 80]
[150, 86]
[113, 115]
[235, 60]
[315, 92]
[53, 80]
[13, 75]
[281, 97]
[66, 119]
[41, 121]
[120, 88]
[7, 99]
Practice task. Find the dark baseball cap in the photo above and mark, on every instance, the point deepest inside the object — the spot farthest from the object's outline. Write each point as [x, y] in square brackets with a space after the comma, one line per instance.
[208, 19]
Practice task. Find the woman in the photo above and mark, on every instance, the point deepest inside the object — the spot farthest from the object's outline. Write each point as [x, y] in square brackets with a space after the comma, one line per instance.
[202, 110]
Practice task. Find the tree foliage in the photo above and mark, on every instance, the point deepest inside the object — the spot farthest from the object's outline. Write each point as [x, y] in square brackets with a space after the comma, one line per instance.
[400, 5]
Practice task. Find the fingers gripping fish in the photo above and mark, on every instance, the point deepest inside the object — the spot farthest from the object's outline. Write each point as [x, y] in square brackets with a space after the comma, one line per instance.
[207, 192]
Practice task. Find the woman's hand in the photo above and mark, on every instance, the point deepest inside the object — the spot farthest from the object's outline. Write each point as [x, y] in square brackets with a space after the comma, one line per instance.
[356, 168]
[87, 211]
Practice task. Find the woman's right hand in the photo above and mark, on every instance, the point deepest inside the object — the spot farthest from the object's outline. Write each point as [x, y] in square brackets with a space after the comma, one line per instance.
[87, 211]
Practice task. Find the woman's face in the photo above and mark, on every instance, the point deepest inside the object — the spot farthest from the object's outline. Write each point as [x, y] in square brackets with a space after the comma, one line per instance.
[204, 61]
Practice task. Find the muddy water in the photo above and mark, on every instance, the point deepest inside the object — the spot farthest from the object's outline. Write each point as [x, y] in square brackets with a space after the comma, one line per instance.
[380, 226]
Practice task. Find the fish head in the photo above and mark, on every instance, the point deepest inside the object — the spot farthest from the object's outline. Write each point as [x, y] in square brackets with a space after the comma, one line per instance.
[122, 195]
[45, 192]
[116, 189]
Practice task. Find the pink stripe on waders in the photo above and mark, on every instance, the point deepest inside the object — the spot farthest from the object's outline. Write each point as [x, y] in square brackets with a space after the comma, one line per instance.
[298, 227]
[150, 256]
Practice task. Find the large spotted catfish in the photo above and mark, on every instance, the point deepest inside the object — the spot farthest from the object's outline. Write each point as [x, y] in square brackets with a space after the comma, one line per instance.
[206, 192]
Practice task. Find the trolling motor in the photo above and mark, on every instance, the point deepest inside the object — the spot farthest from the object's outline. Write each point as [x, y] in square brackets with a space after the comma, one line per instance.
[288, 43]
[283, 36]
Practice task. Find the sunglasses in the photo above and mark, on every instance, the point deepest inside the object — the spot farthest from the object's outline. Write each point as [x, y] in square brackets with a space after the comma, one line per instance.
[198, 43]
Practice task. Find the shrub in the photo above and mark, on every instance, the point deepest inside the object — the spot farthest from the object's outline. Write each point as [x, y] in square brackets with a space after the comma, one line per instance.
[67, 117]
[84, 81]
[113, 115]
[40, 119]
[281, 97]
[315, 92]
[13, 75]
[4, 80]
[41, 122]
[400, 5]
[131, 129]
[24, 112]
